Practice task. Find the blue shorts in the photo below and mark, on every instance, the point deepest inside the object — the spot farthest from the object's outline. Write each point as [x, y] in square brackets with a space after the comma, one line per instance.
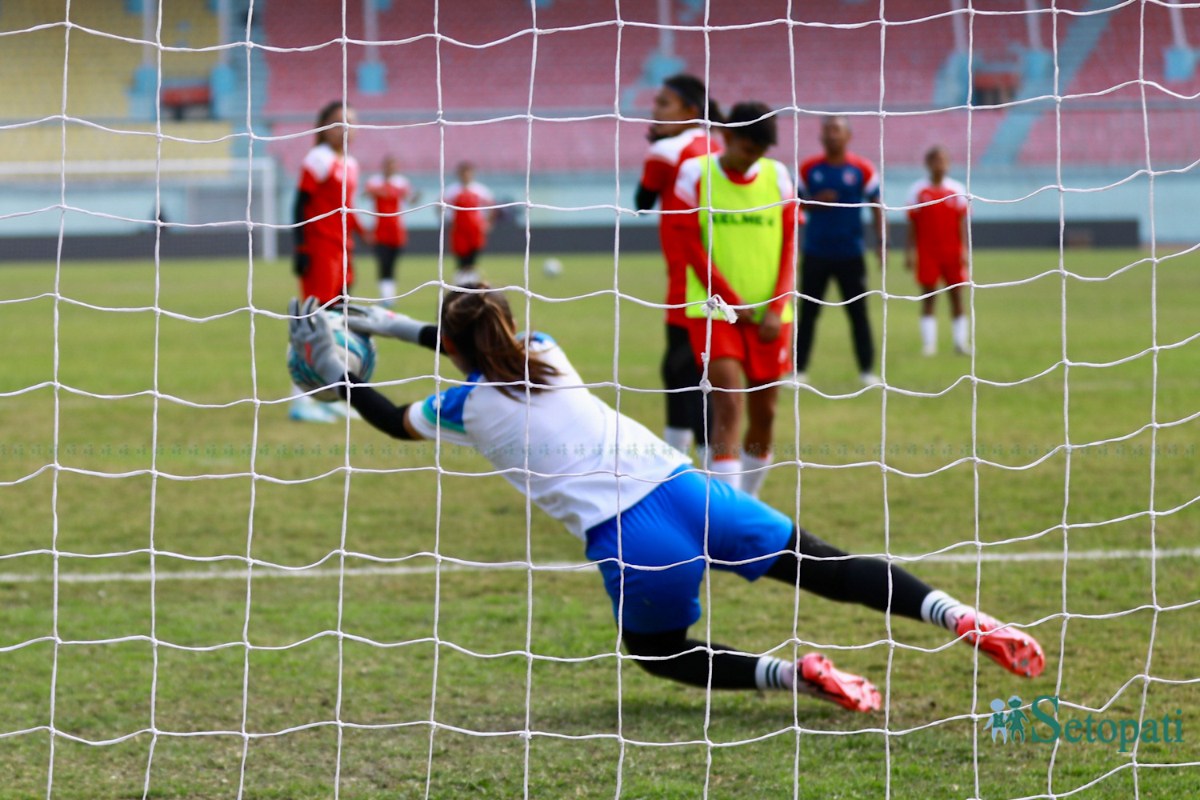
[663, 552]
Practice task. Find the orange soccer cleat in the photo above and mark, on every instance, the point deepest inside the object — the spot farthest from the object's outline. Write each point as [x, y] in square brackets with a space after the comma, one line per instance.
[1011, 648]
[820, 678]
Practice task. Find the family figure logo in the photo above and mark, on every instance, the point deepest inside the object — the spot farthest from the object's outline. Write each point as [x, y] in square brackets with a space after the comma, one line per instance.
[1009, 722]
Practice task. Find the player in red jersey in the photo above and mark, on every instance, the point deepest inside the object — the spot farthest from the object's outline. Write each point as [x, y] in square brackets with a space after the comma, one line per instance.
[324, 217]
[324, 224]
[681, 108]
[741, 246]
[937, 239]
[470, 221]
[390, 190]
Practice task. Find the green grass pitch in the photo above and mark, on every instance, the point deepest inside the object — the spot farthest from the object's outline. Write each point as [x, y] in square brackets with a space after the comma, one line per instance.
[144, 434]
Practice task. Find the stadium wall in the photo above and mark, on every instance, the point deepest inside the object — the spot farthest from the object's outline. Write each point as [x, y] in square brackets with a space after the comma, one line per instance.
[543, 241]
[1012, 208]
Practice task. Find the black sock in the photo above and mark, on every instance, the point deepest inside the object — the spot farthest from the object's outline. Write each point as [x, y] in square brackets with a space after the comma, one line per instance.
[829, 572]
[674, 656]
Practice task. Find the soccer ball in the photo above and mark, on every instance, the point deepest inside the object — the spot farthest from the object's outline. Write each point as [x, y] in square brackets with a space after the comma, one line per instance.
[552, 267]
[358, 350]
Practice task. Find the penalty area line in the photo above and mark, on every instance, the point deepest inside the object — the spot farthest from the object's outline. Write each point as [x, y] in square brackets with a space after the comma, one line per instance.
[400, 570]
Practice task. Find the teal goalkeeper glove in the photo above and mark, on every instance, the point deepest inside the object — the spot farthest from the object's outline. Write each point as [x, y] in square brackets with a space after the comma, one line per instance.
[309, 331]
[371, 320]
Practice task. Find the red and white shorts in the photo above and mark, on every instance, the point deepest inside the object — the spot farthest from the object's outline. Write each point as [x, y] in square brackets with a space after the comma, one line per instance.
[761, 361]
[933, 268]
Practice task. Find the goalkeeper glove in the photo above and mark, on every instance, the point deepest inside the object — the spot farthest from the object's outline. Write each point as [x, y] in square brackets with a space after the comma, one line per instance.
[379, 321]
[309, 331]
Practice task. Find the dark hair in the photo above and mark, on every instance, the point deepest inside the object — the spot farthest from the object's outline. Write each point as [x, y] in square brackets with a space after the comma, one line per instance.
[933, 151]
[479, 323]
[759, 126]
[693, 92]
[325, 116]
[836, 119]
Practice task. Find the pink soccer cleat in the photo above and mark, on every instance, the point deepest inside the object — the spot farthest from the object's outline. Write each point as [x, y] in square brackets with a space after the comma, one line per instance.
[1011, 648]
[819, 678]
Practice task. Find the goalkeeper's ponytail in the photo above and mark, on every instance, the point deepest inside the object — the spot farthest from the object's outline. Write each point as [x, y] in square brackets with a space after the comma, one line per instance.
[480, 326]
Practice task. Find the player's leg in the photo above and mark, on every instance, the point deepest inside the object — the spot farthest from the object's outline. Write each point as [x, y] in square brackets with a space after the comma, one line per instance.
[766, 363]
[928, 320]
[814, 280]
[712, 665]
[345, 276]
[721, 346]
[655, 607]
[652, 569]
[672, 655]
[386, 256]
[466, 274]
[851, 275]
[761, 401]
[745, 536]
[817, 566]
[728, 399]
[685, 402]
[960, 326]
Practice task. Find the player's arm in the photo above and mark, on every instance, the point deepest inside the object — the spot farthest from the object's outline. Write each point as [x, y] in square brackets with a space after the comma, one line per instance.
[872, 193]
[656, 179]
[910, 250]
[644, 199]
[877, 223]
[914, 219]
[785, 282]
[308, 331]
[379, 321]
[300, 259]
[963, 233]
[382, 414]
[354, 224]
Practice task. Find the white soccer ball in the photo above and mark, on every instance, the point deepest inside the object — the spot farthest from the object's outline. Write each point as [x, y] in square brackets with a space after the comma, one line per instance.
[552, 267]
[358, 350]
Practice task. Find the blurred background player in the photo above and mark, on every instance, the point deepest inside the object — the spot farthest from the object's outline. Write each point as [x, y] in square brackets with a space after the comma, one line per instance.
[470, 221]
[750, 234]
[654, 531]
[937, 246]
[324, 226]
[681, 107]
[390, 190]
[833, 242]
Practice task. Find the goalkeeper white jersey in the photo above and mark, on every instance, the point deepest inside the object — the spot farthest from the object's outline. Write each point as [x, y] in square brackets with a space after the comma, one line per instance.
[574, 456]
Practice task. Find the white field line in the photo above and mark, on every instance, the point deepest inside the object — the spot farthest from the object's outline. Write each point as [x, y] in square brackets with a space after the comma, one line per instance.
[561, 566]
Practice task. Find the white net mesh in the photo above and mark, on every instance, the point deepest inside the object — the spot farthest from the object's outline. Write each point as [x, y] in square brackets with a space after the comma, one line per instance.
[204, 598]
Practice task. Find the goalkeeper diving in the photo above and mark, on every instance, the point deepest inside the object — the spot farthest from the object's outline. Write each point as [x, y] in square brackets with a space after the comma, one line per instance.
[651, 521]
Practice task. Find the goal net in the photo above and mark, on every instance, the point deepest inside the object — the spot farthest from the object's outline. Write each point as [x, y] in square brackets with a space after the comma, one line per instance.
[204, 596]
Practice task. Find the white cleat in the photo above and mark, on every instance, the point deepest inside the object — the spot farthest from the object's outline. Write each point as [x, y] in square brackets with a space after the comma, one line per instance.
[467, 277]
[342, 409]
[305, 409]
[870, 379]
